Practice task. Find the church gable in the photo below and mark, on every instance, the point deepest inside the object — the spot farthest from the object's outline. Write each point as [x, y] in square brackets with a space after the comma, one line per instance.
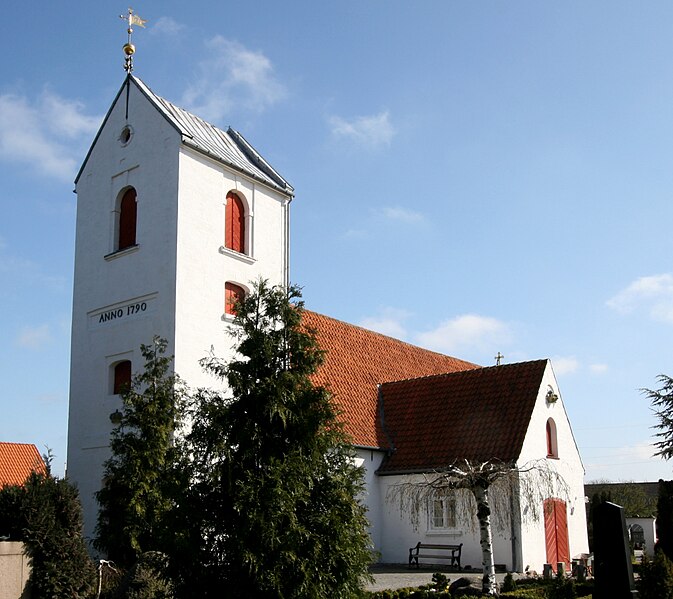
[227, 147]
[358, 360]
[478, 415]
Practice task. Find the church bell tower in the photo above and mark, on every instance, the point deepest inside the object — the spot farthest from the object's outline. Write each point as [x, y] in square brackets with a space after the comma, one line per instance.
[175, 218]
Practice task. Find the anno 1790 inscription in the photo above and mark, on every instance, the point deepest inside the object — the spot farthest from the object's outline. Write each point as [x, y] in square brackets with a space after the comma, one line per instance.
[122, 312]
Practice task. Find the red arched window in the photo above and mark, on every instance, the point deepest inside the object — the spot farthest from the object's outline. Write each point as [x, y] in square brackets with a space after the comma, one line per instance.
[234, 234]
[552, 444]
[232, 293]
[122, 377]
[127, 220]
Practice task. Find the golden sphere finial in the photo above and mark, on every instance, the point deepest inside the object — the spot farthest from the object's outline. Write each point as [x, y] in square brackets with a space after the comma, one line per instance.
[129, 49]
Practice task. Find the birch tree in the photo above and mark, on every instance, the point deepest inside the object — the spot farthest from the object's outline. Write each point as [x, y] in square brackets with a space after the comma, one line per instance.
[485, 493]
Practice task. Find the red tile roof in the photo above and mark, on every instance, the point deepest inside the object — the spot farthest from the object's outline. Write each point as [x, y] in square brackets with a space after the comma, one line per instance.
[357, 360]
[475, 414]
[17, 461]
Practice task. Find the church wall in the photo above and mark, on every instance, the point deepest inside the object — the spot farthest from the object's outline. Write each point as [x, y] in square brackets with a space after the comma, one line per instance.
[120, 299]
[203, 263]
[568, 465]
[649, 526]
[399, 532]
[370, 460]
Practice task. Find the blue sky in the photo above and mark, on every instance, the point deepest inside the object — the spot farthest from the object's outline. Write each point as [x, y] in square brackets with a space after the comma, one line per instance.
[471, 177]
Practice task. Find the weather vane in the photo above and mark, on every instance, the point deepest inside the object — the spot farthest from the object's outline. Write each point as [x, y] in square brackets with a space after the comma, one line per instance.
[129, 48]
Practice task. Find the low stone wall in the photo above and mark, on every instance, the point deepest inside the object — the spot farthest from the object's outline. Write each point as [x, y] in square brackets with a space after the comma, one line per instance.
[14, 570]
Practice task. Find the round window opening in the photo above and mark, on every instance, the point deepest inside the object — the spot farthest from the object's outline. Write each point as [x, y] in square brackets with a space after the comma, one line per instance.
[126, 135]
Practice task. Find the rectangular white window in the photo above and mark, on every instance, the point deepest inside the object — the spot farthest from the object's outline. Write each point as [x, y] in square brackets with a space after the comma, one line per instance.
[442, 512]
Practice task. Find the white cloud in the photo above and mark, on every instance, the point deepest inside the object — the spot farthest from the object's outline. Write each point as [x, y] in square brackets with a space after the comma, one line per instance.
[34, 337]
[469, 331]
[565, 364]
[653, 293]
[598, 368]
[232, 75]
[402, 214]
[66, 117]
[369, 131]
[43, 133]
[166, 26]
[388, 322]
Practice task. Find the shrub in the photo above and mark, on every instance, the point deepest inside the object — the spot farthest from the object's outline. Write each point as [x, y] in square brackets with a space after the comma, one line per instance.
[529, 593]
[508, 584]
[440, 582]
[656, 578]
[47, 516]
[148, 579]
[561, 588]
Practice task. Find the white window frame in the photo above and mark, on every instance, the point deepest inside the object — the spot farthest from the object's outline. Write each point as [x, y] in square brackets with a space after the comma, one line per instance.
[446, 521]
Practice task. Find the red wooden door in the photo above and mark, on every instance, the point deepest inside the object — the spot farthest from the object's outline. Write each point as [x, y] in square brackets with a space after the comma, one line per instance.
[556, 532]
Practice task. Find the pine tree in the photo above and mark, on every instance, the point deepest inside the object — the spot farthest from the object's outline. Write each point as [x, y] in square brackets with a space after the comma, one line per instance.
[662, 404]
[142, 483]
[275, 481]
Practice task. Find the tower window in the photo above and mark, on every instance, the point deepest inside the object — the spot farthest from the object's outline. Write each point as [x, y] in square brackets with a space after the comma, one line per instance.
[127, 220]
[552, 442]
[234, 234]
[122, 377]
[232, 294]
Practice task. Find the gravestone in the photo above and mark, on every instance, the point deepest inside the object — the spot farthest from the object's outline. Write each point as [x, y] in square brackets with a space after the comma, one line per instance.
[613, 572]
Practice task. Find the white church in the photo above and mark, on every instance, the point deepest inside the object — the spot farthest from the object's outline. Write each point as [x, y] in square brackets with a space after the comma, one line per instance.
[175, 217]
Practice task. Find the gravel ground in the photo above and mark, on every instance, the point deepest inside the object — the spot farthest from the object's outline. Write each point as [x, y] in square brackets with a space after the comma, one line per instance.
[397, 576]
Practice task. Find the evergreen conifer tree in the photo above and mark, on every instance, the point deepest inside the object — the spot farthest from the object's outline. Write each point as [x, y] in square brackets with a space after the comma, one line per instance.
[275, 484]
[142, 483]
[662, 404]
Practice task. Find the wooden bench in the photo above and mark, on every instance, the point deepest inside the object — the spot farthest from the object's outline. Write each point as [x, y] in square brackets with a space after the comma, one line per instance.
[427, 550]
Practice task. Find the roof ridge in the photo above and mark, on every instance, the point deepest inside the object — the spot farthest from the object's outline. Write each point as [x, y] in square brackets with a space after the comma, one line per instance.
[395, 339]
[248, 151]
[476, 370]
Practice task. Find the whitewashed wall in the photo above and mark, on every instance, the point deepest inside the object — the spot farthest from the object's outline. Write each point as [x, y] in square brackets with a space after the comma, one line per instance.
[649, 526]
[568, 464]
[177, 272]
[521, 541]
[370, 460]
[400, 534]
[143, 274]
[203, 263]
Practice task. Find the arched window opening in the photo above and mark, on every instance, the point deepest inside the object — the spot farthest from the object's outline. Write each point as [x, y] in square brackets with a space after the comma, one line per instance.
[234, 235]
[552, 444]
[127, 220]
[122, 377]
[232, 294]
[637, 534]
